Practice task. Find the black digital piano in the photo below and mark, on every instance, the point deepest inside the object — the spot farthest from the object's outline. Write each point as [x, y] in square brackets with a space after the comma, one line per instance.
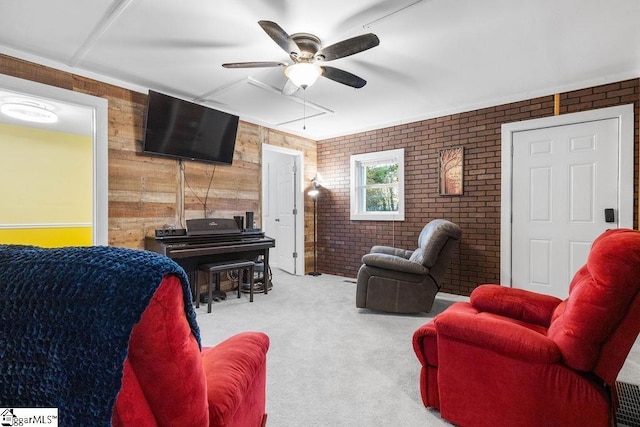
[211, 240]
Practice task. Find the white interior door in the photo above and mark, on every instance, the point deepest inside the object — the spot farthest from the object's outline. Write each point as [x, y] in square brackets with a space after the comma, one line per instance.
[564, 178]
[559, 175]
[280, 217]
[286, 172]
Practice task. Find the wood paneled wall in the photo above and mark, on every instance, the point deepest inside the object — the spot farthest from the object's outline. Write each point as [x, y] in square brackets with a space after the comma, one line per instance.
[147, 193]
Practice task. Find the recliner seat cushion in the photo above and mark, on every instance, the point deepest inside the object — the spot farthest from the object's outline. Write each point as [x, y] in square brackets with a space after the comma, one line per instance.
[395, 263]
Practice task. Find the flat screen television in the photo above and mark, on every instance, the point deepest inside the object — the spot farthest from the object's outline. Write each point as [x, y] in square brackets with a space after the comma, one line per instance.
[185, 130]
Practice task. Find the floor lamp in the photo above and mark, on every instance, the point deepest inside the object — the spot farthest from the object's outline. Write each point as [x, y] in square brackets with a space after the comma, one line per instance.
[313, 193]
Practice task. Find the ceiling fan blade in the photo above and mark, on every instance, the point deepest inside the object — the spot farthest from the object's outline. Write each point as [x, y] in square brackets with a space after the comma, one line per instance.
[348, 47]
[344, 77]
[280, 36]
[256, 64]
[289, 88]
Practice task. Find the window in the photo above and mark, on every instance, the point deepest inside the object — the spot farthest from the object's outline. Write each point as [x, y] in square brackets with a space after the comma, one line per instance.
[377, 186]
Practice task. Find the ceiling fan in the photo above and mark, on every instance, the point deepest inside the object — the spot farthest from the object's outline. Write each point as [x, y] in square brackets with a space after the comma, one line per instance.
[307, 52]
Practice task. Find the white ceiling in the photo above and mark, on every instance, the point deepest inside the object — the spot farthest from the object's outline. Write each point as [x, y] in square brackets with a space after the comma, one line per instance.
[435, 57]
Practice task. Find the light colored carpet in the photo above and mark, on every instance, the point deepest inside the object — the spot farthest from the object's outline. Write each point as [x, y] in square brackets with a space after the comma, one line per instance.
[330, 363]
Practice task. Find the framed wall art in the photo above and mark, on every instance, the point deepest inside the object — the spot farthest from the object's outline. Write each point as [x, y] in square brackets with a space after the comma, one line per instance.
[450, 171]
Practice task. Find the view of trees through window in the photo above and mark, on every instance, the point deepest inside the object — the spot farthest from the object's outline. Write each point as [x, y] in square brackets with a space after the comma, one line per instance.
[377, 186]
[381, 187]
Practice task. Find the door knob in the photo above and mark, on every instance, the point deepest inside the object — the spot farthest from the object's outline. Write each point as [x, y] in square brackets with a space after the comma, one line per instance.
[277, 219]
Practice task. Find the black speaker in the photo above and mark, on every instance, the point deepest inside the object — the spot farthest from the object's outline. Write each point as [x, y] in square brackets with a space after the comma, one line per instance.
[239, 221]
[249, 222]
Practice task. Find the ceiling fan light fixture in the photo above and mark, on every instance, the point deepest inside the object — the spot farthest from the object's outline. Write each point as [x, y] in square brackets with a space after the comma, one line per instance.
[303, 74]
[29, 112]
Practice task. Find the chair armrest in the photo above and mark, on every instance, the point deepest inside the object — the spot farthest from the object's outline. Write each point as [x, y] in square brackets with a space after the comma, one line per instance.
[404, 253]
[519, 304]
[427, 332]
[394, 263]
[231, 370]
[503, 337]
[421, 334]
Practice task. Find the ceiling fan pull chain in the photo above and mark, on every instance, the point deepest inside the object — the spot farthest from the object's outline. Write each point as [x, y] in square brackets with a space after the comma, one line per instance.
[304, 108]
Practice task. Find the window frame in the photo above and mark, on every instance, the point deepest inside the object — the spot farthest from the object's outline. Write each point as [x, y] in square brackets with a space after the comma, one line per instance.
[357, 164]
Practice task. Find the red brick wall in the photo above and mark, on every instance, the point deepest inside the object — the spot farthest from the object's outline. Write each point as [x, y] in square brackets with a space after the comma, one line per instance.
[342, 242]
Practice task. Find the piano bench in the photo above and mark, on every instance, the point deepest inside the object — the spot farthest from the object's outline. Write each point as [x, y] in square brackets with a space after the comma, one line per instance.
[214, 270]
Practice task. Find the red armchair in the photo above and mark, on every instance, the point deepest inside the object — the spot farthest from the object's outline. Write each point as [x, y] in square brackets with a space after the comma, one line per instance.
[511, 357]
[109, 336]
[167, 381]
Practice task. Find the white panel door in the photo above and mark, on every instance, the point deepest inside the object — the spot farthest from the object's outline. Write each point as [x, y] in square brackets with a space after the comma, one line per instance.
[286, 213]
[564, 177]
[283, 206]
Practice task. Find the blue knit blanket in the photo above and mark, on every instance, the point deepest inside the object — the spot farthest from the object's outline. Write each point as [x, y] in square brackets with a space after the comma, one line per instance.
[66, 316]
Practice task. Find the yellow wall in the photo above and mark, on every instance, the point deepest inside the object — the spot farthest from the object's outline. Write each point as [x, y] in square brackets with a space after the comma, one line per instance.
[48, 237]
[46, 187]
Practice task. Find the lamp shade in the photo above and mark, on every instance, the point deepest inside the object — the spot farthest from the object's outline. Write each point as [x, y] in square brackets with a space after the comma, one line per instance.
[315, 187]
[303, 74]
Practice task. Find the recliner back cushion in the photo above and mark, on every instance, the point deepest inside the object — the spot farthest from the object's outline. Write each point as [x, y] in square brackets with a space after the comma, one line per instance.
[433, 237]
[599, 296]
[418, 256]
[166, 360]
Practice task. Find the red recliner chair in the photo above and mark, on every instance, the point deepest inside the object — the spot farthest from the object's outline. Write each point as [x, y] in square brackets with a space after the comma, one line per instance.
[109, 336]
[511, 357]
[168, 381]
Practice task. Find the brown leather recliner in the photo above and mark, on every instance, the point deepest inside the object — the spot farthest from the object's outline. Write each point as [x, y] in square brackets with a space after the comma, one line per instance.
[403, 281]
